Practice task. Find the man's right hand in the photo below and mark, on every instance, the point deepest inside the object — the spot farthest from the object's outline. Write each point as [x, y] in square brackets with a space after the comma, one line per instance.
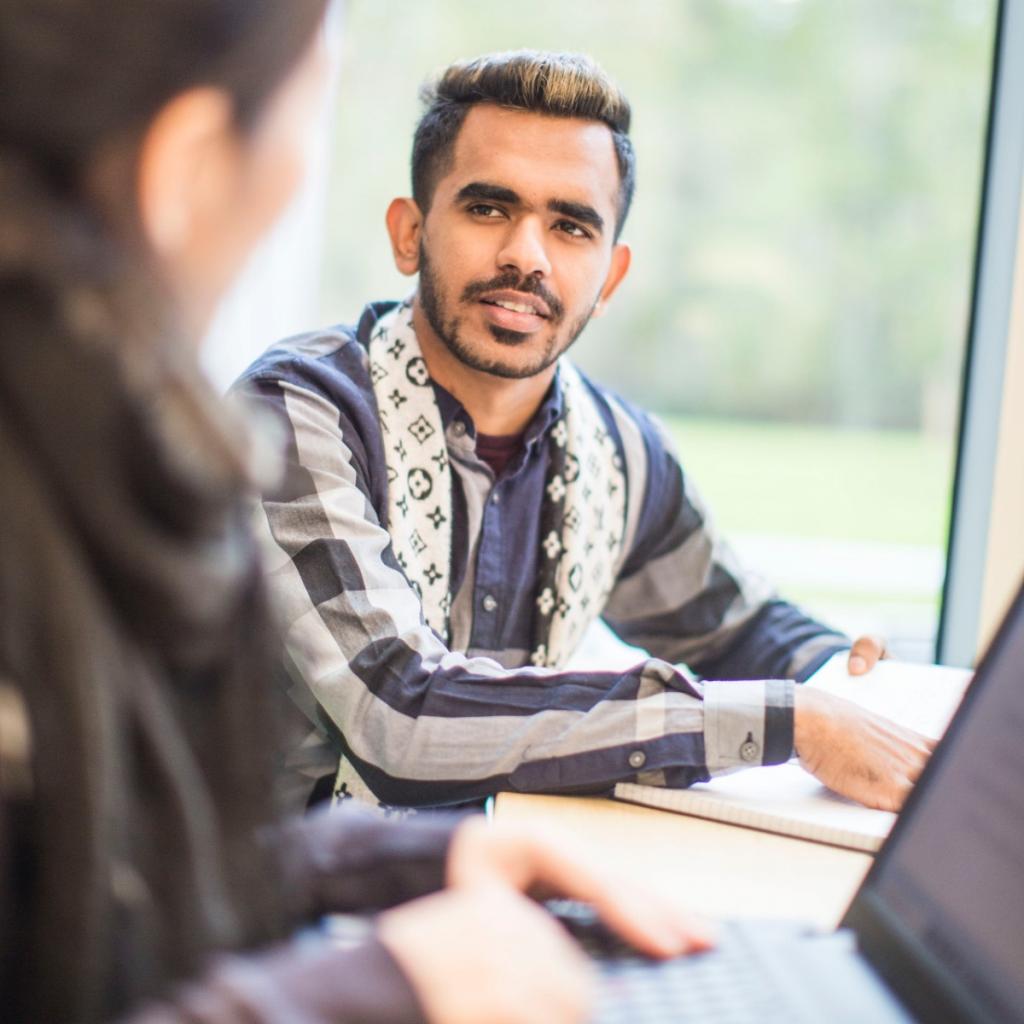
[486, 953]
[855, 752]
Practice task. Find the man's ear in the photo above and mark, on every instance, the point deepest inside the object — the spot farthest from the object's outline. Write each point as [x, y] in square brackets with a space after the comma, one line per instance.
[405, 228]
[622, 256]
[186, 168]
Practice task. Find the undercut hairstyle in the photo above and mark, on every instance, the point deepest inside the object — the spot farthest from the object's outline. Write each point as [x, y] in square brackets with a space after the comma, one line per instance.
[554, 84]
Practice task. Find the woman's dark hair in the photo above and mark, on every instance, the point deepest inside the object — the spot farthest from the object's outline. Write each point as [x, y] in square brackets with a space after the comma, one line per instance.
[82, 79]
[126, 533]
[76, 74]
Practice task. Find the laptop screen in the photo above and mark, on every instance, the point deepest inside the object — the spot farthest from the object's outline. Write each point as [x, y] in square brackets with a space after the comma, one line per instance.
[951, 879]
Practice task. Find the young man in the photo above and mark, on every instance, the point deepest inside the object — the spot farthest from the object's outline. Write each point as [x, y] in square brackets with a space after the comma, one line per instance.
[463, 502]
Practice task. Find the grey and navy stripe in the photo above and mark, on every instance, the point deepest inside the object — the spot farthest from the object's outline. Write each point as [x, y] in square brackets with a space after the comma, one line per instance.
[426, 723]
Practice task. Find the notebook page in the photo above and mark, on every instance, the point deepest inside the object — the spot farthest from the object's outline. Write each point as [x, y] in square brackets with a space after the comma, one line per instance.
[788, 800]
[781, 798]
[922, 697]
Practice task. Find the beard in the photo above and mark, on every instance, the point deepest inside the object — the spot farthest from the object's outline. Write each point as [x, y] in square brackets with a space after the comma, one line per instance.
[447, 325]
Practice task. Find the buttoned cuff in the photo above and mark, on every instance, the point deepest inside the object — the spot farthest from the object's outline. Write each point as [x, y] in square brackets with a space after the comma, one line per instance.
[747, 722]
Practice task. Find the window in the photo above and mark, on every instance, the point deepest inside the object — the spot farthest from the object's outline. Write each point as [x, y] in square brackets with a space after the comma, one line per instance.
[803, 233]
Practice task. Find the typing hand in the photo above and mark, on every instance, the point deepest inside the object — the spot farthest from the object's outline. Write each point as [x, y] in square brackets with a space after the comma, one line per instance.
[855, 752]
[486, 953]
[547, 864]
[865, 654]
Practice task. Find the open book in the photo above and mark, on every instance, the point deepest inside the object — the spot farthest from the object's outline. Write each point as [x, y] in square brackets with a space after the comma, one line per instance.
[788, 800]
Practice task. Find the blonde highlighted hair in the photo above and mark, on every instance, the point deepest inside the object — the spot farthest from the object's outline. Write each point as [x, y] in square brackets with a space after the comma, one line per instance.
[555, 84]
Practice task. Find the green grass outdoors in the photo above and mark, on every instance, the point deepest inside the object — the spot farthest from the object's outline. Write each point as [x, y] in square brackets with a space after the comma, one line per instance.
[826, 483]
[818, 481]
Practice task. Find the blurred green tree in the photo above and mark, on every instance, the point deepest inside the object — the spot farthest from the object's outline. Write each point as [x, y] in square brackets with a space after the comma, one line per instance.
[809, 175]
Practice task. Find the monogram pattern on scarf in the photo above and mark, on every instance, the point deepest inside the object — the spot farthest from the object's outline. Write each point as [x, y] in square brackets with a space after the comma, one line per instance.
[419, 476]
[582, 515]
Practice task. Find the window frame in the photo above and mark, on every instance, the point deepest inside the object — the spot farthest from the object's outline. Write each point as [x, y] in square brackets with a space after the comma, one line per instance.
[983, 552]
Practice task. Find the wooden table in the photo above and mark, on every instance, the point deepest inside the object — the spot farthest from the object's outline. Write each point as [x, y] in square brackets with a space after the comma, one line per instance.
[721, 870]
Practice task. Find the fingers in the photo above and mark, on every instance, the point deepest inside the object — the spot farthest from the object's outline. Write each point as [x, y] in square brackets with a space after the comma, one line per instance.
[640, 915]
[651, 925]
[920, 751]
[865, 654]
[886, 782]
[550, 863]
[889, 799]
[524, 969]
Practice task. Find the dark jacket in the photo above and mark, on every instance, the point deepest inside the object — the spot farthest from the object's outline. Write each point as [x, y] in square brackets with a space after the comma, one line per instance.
[144, 872]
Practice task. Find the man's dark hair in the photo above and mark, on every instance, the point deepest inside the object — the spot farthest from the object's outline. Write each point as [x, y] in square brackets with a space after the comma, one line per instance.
[555, 84]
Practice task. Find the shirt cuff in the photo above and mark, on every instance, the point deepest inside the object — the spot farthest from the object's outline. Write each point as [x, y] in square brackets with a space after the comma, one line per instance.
[748, 722]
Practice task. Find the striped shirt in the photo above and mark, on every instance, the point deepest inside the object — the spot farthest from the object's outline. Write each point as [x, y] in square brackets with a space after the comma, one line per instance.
[429, 724]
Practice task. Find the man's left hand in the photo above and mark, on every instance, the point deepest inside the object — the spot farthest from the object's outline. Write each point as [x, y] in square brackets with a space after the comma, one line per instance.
[865, 654]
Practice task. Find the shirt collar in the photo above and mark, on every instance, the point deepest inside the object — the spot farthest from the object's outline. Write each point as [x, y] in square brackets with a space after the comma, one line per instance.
[548, 413]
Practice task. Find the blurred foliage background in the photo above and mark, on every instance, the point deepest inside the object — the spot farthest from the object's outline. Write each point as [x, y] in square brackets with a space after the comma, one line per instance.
[803, 232]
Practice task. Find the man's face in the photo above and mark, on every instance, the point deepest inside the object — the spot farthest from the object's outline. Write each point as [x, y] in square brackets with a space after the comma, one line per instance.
[517, 248]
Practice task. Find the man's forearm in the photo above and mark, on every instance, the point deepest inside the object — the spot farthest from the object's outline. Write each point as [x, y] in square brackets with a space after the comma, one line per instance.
[424, 724]
[780, 642]
[468, 728]
[422, 731]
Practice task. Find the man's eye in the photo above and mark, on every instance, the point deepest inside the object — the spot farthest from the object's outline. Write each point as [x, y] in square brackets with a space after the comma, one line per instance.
[571, 229]
[484, 210]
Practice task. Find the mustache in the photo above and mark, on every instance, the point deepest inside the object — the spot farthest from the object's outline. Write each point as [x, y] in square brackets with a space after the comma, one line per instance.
[511, 281]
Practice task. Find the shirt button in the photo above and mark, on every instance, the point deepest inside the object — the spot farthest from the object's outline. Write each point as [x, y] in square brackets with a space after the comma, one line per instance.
[459, 428]
[490, 602]
[637, 759]
[495, 498]
[749, 750]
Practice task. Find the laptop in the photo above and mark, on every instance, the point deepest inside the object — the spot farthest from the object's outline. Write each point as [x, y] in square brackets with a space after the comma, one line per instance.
[934, 934]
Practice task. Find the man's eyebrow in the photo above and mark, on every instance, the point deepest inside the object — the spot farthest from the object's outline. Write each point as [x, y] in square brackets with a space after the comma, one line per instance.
[481, 190]
[578, 211]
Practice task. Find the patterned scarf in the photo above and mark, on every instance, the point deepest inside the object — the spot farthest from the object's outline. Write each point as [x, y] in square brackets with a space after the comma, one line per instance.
[582, 518]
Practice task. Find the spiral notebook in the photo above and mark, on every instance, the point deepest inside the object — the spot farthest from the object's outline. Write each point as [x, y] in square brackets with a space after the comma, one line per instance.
[790, 801]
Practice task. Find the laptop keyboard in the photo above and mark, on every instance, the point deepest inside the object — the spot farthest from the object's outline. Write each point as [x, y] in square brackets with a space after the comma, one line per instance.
[736, 983]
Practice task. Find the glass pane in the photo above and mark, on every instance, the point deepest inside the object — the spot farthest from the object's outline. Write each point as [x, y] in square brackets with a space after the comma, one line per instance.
[803, 234]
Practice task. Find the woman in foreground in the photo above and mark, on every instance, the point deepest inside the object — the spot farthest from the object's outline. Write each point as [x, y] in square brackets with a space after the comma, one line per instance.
[144, 876]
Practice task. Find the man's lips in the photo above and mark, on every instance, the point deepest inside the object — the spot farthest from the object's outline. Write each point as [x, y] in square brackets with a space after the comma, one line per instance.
[515, 311]
[517, 302]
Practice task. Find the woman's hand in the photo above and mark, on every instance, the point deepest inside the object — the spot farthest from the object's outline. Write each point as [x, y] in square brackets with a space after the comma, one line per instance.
[550, 864]
[486, 953]
[483, 951]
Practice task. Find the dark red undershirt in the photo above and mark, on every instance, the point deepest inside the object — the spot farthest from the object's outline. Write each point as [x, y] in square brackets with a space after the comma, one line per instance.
[498, 450]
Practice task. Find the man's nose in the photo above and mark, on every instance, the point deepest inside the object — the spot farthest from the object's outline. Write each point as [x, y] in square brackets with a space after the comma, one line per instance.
[524, 250]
